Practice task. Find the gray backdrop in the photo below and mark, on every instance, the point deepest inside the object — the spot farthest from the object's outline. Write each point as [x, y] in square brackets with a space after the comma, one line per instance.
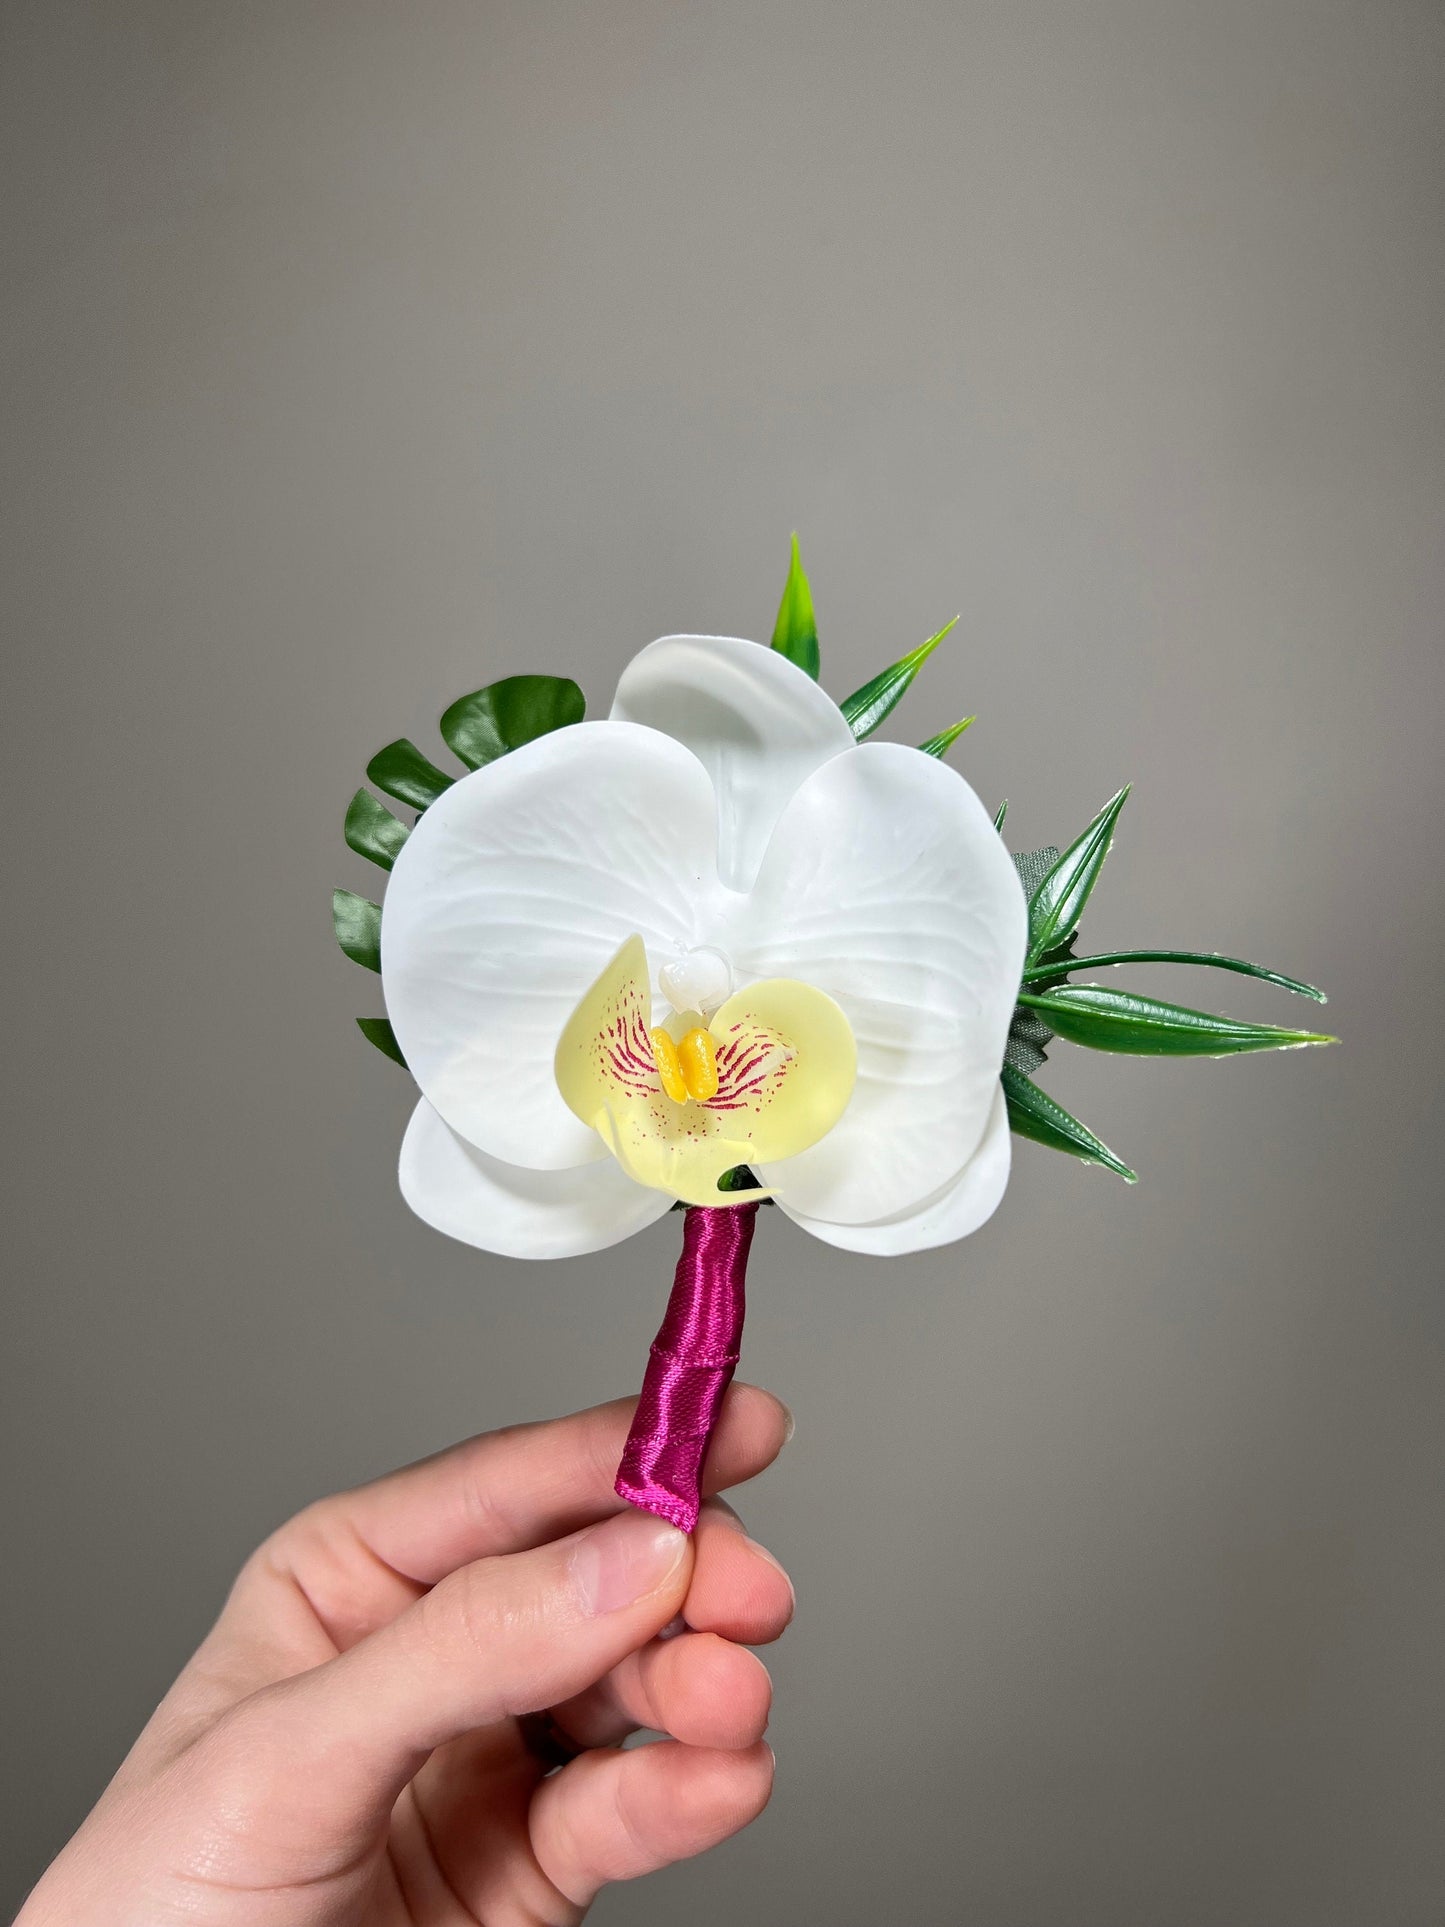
[357, 354]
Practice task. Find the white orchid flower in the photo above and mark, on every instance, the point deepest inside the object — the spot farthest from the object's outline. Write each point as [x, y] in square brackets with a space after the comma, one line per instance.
[712, 930]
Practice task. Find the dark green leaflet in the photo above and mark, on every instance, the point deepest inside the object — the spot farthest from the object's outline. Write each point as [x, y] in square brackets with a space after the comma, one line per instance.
[485, 725]
[867, 707]
[403, 772]
[1032, 1113]
[1121, 1020]
[1058, 900]
[372, 830]
[357, 922]
[1041, 973]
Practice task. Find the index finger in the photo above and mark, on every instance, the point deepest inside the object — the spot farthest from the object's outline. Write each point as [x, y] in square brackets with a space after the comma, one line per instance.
[503, 1491]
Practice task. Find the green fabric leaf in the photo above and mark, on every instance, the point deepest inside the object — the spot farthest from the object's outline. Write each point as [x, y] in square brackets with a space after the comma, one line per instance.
[944, 741]
[378, 1031]
[1121, 1020]
[372, 830]
[1058, 900]
[357, 922]
[795, 633]
[485, 725]
[1032, 1113]
[740, 1178]
[403, 772]
[1002, 813]
[1043, 972]
[867, 707]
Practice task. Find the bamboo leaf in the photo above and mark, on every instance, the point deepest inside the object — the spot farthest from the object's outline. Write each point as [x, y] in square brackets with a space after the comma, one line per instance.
[1120, 1020]
[1058, 899]
[867, 707]
[485, 725]
[943, 742]
[372, 830]
[1040, 973]
[357, 923]
[1032, 1113]
[795, 633]
[403, 772]
[1002, 813]
[378, 1031]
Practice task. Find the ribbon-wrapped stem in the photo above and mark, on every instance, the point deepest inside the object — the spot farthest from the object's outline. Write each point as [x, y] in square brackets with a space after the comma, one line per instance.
[690, 1366]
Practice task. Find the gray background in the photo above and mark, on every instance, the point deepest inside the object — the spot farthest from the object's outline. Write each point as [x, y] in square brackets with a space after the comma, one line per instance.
[356, 354]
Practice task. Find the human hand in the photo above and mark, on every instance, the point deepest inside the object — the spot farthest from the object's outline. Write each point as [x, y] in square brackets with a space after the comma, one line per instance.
[351, 1742]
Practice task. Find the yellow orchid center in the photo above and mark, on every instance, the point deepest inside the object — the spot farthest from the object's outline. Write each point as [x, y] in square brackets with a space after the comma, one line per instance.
[686, 1066]
[669, 1066]
[767, 1075]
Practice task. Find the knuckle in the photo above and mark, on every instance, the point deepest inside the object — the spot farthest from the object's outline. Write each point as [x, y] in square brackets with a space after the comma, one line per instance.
[484, 1506]
[474, 1610]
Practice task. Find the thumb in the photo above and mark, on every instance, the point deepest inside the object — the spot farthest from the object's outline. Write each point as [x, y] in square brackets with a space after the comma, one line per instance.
[505, 1635]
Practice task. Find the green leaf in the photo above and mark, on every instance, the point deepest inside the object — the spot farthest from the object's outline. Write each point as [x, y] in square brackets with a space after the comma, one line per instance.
[795, 633]
[357, 922]
[867, 707]
[372, 830]
[1039, 973]
[944, 741]
[1120, 1020]
[1002, 813]
[378, 1031]
[403, 772]
[740, 1178]
[1032, 1113]
[485, 725]
[1058, 900]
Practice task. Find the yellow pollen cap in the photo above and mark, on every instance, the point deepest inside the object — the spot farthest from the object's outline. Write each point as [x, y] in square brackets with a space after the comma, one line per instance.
[669, 1068]
[697, 1058]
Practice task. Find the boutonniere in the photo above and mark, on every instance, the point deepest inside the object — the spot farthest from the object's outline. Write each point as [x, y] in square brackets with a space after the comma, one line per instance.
[720, 949]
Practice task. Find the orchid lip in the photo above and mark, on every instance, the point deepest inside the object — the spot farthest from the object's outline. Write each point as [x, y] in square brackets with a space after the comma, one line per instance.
[680, 1105]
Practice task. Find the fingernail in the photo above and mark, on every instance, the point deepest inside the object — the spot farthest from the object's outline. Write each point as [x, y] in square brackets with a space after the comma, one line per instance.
[623, 1560]
[791, 1426]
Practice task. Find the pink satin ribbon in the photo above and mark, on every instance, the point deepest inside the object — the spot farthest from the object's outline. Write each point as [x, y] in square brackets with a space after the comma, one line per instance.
[690, 1366]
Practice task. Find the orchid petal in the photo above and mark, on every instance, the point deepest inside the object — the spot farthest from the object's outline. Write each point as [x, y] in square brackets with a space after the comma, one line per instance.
[784, 1060]
[510, 894]
[759, 725]
[519, 1213]
[886, 886]
[960, 1207]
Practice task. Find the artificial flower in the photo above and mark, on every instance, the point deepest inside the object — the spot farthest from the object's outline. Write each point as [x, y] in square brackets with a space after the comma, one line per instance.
[717, 878]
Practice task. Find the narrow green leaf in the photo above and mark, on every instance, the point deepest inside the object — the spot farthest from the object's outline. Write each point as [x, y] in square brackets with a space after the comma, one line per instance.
[485, 725]
[943, 742]
[372, 830]
[1040, 973]
[1058, 900]
[867, 707]
[1121, 1020]
[378, 1031]
[1032, 1113]
[795, 633]
[357, 922]
[403, 772]
[1002, 813]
